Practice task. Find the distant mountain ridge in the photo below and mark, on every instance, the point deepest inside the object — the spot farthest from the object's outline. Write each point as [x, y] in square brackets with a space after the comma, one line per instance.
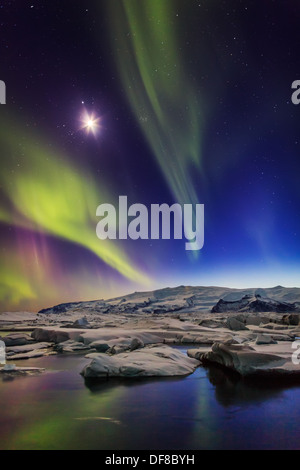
[189, 299]
[255, 304]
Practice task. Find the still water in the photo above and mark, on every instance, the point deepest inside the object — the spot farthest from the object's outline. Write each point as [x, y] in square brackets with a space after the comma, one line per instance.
[207, 410]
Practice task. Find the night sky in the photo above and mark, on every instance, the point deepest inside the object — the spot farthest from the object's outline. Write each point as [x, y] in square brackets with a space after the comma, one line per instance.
[192, 104]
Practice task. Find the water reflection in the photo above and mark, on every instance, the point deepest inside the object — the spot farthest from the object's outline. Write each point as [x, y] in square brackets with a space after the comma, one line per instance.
[103, 385]
[232, 390]
[210, 409]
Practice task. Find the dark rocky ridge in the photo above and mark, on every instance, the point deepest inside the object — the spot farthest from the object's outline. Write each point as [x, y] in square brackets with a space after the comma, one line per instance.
[185, 299]
[254, 304]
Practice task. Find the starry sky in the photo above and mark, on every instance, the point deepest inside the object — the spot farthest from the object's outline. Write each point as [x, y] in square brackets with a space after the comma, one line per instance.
[189, 102]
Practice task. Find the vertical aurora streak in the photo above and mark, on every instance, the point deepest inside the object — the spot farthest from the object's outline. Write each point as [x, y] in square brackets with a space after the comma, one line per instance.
[154, 76]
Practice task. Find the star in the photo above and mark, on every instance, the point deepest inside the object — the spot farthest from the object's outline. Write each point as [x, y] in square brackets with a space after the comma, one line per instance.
[91, 123]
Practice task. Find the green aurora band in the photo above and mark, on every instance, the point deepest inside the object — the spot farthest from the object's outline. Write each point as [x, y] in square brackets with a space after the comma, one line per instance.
[148, 56]
[45, 193]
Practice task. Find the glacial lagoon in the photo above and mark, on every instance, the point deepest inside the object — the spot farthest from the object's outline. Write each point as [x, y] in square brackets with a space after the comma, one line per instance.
[206, 410]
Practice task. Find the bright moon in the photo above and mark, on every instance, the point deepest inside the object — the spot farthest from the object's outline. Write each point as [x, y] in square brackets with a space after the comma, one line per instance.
[90, 123]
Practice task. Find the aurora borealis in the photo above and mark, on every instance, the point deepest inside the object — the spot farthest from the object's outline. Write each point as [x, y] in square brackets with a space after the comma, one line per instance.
[148, 54]
[188, 102]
